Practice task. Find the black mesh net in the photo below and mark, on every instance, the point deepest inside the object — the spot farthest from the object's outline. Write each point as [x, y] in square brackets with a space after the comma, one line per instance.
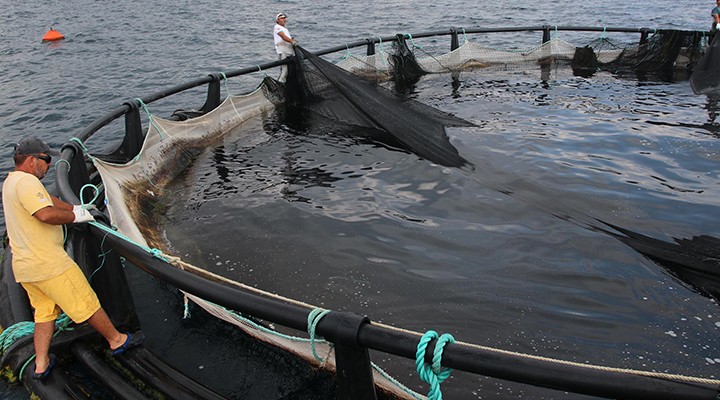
[663, 54]
[319, 87]
[695, 262]
[660, 54]
[405, 67]
[706, 76]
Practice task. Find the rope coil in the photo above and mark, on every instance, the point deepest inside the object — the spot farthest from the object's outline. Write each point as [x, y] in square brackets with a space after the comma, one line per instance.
[313, 319]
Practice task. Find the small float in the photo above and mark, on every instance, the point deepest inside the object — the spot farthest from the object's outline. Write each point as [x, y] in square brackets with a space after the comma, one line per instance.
[52, 36]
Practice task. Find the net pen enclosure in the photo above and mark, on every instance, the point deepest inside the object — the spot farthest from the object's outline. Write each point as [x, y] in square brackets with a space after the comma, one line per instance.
[126, 162]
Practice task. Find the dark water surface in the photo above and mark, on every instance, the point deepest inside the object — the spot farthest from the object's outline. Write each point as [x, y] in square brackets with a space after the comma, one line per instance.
[348, 225]
[351, 225]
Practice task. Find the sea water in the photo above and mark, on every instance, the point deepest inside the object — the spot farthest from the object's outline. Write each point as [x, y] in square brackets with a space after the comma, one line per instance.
[351, 225]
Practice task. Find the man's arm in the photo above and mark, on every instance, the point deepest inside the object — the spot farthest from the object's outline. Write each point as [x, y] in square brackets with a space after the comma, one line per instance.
[55, 215]
[285, 37]
[61, 204]
[61, 213]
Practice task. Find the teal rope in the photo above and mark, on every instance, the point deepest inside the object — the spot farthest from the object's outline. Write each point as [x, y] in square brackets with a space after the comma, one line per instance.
[80, 142]
[315, 316]
[157, 253]
[82, 191]
[61, 161]
[347, 53]
[103, 256]
[21, 329]
[413, 42]
[313, 319]
[381, 50]
[151, 119]
[14, 332]
[395, 382]
[433, 374]
[22, 370]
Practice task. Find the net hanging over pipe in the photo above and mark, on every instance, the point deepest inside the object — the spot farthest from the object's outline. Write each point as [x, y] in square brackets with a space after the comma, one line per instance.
[320, 87]
[661, 53]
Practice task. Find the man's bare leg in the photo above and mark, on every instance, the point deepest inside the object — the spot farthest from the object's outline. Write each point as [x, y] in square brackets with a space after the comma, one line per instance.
[41, 339]
[101, 323]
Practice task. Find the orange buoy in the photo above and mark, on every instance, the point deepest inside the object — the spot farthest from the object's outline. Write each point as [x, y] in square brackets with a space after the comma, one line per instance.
[52, 35]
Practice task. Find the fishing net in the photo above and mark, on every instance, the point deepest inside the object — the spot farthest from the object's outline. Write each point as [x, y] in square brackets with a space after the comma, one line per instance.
[320, 87]
[133, 184]
[662, 53]
[706, 76]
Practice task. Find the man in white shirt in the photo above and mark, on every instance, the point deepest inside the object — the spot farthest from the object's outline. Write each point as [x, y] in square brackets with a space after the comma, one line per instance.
[283, 43]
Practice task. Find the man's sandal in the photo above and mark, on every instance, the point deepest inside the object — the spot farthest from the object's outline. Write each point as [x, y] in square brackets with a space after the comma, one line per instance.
[39, 376]
[133, 340]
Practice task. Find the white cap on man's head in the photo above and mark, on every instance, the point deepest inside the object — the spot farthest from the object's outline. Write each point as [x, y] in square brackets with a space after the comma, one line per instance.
[281, 15]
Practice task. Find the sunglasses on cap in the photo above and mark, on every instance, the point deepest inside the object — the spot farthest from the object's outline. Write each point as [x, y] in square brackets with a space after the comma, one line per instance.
[44, 157]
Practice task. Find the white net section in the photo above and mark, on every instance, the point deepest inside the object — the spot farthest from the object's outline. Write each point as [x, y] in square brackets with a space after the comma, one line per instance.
[167, 148]
[472, 55]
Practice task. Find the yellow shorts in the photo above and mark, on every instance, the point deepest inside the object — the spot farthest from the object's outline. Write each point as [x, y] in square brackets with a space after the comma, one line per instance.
[69, 291]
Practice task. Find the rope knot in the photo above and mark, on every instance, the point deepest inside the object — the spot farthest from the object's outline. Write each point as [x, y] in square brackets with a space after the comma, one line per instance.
[433, 374]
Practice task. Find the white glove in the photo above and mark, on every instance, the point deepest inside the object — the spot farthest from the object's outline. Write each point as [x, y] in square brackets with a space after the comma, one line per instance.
[82, 215]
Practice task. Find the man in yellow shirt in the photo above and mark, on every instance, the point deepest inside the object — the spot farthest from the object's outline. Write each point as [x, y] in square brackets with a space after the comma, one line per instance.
[52, 280]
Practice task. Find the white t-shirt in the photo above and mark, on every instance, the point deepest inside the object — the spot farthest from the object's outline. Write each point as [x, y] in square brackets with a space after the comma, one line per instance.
[281, 46]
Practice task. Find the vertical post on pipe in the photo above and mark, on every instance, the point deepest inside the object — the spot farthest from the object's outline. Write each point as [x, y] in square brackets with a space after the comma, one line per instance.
[453, 39]
[213, 95]
[370, 46]
[643, 36]
[78, 174]
[546, 33]
[134, 137]
[352, 362]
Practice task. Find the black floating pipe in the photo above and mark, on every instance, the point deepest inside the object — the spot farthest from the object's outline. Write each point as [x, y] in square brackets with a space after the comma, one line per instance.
[572, 378]
[14, 303]
[104, 373]
[575, 379]
[164, 378]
